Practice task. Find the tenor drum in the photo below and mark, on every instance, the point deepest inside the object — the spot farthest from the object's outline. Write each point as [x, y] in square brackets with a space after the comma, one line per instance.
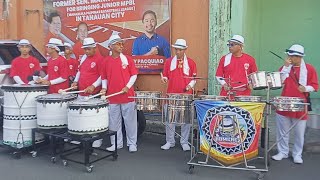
[52, 110]
[213, 97]
[258, 80]
[293, 104]
[146, 100]
[88, 117]
[248, 98]
[179, 108]
[20, 116]
[274, 80]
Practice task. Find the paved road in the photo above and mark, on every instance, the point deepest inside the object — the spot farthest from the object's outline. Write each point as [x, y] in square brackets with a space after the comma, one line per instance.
[148, 163]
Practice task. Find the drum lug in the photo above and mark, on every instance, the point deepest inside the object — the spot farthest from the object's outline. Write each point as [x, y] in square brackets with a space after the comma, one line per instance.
[97, 110]
[80, 111]
[61, 104]
[44, 105]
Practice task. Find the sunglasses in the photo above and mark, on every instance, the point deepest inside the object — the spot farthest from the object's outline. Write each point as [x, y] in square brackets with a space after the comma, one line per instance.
[232, 44]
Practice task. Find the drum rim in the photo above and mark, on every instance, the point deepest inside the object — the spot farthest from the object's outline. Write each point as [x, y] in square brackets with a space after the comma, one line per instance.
[41, 99]
[15, 87]
[154, 92]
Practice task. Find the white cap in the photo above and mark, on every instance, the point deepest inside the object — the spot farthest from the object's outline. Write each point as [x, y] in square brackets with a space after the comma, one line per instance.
[237, 39]
[67, 45]
[88, 43]
[180, 44]
[114, 39]
[54, 43]
[295, 50]
[23, 42]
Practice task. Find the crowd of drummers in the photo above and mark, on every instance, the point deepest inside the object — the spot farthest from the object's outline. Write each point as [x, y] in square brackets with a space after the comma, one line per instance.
[94, 74]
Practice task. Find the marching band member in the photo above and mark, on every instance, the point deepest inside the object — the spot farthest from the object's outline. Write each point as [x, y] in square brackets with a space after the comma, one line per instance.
[175, 70]
[120, 74]
[25, 67]
[58, 72]
[73, 64]
[300, 79]
[234, 68]
[88, 77]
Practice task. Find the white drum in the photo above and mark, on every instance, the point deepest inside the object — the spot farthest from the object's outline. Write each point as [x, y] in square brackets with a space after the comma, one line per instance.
[52, 110]
[21, 98]
[14, 136]
[88, 117]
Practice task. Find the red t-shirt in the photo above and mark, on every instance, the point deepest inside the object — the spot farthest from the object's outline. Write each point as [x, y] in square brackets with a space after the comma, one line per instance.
[24, 67]
[58, 68]
[90, 71]
[73, 66]
[118, 76]
[236, 70]
[290, 88]
[177, 81]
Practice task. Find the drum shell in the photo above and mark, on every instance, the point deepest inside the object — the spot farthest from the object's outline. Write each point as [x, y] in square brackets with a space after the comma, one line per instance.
[248, 98]
[148, 104]
[293, 104]
[274, 80]
[179, 109]
[258, 80]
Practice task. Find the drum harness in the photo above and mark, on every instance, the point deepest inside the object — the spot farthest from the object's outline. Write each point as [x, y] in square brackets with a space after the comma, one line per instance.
[20, 116]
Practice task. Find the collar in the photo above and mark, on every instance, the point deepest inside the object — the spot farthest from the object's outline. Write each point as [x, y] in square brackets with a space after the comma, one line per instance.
[145, 37]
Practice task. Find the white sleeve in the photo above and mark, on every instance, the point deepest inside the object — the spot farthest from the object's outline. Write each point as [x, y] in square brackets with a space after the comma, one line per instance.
[97, 82]
[285, 72]
[192, 83]
[57, 81]
[132, 80]
[221, 80]
[18, 80]
[76, 79]
[104, 84]
[309, 88]
[46, 77]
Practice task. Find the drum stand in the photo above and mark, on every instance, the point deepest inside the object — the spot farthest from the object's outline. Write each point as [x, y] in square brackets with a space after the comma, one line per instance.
[196, 154]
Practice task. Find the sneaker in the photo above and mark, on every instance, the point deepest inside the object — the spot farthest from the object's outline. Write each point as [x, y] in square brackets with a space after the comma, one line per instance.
[297, 160]
[97, 143]
[167, 146]
[113, 148]
[75, 142]
[185, 147]
[279, 157]
[132, 148]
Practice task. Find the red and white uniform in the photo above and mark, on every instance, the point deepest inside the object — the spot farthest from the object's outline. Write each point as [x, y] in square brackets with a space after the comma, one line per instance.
[58, 68]
[290, 88]
[237, 69]
[177, 81]
[24, 67]
[90, 70]
[73, 65]
[117, 77]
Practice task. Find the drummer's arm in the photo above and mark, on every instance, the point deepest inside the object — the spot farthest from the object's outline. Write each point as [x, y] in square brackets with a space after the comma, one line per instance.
[57, 81]
[18, 80]
[97, 82]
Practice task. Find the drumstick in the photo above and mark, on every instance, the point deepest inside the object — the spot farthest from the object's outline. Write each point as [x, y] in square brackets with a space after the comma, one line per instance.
[64, 90]
[90, 97]
[114, 94]
[161, 75]
[72, 92]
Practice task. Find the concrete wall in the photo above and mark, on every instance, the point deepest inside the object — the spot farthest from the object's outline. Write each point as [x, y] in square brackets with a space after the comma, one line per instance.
[189, 21]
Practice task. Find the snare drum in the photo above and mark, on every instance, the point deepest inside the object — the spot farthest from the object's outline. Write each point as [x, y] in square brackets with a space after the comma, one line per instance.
[179, 108]
[146, 100]
[258, 80]
[248, 98]
[293, 104]
[88, 117]
[274, 80]
[52, 110]
[19, 111]
[213, 97]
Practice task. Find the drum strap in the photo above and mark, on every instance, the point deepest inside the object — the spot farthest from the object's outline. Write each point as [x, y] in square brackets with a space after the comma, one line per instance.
[306, 94]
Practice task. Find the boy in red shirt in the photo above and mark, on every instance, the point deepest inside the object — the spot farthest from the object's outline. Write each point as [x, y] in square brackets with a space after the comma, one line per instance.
[73, 64]
[25, 68]
[119, 74]
[58, 71]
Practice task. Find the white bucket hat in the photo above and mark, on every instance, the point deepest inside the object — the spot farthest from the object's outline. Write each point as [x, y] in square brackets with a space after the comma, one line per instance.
[24, 42]
[67, 45]
[180, 44]
[54, 43]
[89, 43]
[114, 39]
[237, 39]
[295, 50]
